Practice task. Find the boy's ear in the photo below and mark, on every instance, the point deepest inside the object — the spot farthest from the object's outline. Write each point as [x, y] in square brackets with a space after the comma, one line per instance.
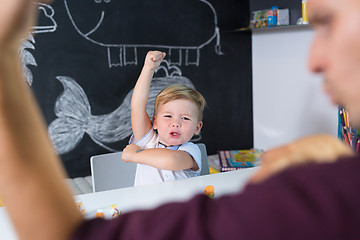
[198, 128]
[154, 122]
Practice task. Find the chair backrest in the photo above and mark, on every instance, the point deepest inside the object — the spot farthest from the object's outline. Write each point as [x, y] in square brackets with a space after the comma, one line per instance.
[204, 160]
[109, 172]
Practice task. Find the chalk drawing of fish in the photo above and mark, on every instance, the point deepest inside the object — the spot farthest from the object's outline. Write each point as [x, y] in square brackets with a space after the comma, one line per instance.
[74, 117]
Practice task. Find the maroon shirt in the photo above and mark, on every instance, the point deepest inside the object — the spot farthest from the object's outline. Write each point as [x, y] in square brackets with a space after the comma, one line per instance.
[309, 202]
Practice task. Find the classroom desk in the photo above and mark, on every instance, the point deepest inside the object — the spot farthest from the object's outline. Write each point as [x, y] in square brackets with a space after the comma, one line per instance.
[148, 196]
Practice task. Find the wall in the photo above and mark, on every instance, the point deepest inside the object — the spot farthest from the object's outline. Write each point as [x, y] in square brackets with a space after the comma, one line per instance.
[288, 101]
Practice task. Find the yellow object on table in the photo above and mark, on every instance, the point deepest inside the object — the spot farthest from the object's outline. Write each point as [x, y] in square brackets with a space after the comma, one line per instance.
[1, 203]
[213, 170]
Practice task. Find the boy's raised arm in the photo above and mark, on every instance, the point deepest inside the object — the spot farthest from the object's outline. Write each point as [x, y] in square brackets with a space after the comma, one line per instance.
[140, 121]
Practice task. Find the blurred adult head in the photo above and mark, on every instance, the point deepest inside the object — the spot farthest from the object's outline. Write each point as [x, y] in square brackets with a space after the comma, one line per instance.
[335, 51]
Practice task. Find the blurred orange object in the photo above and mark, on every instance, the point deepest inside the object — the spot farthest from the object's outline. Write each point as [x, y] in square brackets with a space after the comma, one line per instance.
[209, 191]
[80, 207]
[99, 214]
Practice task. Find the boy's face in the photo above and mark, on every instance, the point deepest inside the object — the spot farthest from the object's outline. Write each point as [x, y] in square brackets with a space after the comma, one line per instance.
[177, 121]
[336, 50]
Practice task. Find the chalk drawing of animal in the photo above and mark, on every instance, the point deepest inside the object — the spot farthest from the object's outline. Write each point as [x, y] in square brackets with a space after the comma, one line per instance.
[111, 25]
[74, 117]
[49, 25]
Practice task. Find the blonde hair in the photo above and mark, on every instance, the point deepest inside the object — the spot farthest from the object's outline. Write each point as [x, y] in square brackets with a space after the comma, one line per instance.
[177, 91]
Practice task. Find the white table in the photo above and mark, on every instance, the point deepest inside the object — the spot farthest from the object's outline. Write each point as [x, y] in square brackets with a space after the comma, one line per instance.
[148, 196]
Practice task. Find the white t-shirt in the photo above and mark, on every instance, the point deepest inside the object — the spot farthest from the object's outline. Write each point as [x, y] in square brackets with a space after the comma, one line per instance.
[146, 174]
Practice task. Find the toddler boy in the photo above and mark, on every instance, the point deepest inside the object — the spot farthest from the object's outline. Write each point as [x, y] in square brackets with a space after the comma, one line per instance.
[162, 149]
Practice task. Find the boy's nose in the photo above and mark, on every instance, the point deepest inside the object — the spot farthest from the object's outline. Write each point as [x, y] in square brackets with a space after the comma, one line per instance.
[175, 124]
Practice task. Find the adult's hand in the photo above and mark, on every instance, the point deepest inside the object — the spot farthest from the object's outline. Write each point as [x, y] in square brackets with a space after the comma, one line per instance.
[317, 148]
[31, 174]
[16, 17]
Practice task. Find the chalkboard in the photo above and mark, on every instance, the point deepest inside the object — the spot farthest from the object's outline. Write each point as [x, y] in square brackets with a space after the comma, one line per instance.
[84, 57]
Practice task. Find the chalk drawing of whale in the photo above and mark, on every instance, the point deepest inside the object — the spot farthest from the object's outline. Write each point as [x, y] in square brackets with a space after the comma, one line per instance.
[74, 117]
[123, 26]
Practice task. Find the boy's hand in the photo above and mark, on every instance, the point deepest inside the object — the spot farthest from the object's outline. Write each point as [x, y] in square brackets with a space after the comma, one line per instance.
[129, 151]
[153, 59]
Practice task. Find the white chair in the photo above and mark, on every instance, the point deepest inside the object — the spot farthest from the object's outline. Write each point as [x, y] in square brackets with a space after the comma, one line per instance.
[109, 172]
